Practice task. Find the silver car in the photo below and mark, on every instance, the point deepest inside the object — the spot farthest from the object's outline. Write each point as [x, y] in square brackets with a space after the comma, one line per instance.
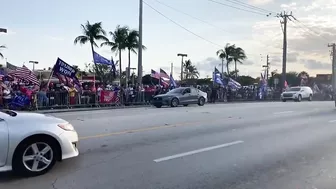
[31, 143]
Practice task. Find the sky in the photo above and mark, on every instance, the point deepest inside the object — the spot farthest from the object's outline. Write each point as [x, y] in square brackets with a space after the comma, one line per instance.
[42, 30]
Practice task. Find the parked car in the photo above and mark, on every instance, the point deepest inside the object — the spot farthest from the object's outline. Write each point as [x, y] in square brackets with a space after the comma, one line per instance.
[297, 94]
[180, 96]
[31, 143]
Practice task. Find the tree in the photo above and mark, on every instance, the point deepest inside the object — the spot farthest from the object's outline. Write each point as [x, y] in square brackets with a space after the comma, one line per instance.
[102, 72]
[79, 73]
[246, 80]
[291, 78]
[132, 44]
[2, 47]
[118, 42]
[190, 70]
[238, 55]
[91, 33]
[226, 54]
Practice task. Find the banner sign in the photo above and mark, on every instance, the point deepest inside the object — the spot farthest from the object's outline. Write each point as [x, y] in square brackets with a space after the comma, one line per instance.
[65, 69]
[108, 97]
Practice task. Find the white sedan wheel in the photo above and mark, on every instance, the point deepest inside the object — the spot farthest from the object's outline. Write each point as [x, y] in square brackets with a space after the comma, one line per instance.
[37, 157]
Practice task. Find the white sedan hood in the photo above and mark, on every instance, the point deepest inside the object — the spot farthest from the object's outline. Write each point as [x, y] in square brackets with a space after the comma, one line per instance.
[28, 118]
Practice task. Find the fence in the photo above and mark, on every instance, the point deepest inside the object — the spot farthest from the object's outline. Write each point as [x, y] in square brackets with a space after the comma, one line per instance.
[64, 99]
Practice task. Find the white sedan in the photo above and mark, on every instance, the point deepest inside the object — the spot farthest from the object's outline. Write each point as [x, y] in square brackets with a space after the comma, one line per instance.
[31, 143]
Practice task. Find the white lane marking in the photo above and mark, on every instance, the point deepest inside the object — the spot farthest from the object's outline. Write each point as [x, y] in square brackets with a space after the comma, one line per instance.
[285, 112]
[197, 151]
[332, 121]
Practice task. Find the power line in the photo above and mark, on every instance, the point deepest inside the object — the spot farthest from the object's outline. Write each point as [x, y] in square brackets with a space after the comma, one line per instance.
[317, 33]
[250, 6]
[223, 4]
[191, 16]
[307, 30]
[181, 25]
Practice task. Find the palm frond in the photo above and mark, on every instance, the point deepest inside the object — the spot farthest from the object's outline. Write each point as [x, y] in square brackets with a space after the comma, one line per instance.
[81, 39]
[2, 47]
[107, 43]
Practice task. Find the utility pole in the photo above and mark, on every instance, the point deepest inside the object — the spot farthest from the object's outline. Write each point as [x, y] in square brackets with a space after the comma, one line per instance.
[267, 67]
[285, 17]
[139, 80]
[182, 55]
[333, 53]
[171, 69]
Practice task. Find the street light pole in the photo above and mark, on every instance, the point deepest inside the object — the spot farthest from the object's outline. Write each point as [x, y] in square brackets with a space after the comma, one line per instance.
[33, 62]
[182, 55]
[139, 80]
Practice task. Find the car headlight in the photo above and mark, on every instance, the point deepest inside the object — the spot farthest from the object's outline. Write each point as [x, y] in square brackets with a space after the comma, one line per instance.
[66, 126]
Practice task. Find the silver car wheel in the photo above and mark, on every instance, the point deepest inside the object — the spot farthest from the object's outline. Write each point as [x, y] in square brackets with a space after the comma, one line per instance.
[37, 157]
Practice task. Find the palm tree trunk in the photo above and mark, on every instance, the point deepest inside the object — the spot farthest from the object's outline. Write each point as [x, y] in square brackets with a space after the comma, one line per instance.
[120, 68]
[95, 67]
[129, 65]
[236, 74]
[227, 68]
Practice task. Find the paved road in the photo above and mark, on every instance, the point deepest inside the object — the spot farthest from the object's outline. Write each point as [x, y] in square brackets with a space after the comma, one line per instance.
[227, 146]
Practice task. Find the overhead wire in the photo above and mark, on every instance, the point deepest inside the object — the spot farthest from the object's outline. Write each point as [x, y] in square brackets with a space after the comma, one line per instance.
[310, 29]
[186, 29]
[250, 6]
[191, 16]
[246, 10]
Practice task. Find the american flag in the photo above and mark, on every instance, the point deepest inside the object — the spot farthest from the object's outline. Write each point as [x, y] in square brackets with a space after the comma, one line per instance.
[25, 74]
[164, 83]
[163, 74]
[155, 74]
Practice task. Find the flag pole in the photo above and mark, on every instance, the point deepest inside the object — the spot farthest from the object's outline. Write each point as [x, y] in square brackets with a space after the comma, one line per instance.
[51, 74]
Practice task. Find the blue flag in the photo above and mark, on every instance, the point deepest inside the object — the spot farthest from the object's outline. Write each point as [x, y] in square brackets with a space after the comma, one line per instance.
[217, 77]
[98, 59]
[172, 81]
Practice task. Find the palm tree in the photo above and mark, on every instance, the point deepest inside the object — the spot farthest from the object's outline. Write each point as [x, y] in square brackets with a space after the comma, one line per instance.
[238, 55]
[226, 54]
[190, 70]
[91, 33]
[118, 42]
[132, 44]
[2, 47]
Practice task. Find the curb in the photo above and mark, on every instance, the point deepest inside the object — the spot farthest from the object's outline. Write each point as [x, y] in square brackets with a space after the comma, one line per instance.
[88, 109]
[127, 107]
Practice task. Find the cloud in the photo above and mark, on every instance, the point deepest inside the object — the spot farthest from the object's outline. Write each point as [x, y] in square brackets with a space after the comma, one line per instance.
[276, 58]
[209, 64]
[313, 64]
[260, 2]
[308, 37]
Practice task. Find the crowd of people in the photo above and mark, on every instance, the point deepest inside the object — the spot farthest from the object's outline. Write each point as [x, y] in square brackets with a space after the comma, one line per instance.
[26, 96]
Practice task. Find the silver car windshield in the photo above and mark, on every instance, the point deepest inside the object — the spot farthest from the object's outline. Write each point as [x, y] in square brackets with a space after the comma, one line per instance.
[174, 91]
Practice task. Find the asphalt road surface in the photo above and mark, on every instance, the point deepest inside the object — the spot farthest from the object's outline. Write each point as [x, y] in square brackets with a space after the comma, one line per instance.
[226, 146]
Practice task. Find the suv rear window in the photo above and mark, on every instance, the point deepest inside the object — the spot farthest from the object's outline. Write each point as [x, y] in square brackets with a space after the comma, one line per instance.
[294, 89]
